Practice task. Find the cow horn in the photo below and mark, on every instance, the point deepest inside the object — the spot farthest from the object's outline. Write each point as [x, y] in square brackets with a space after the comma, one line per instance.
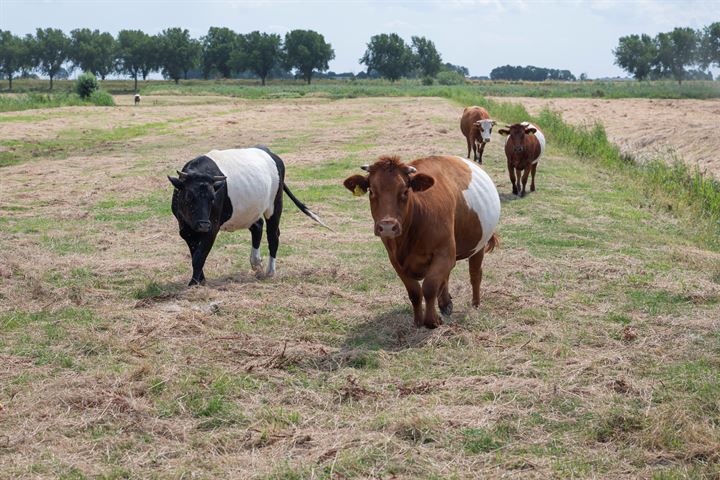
[182, 175]
[409, 169]
[219, 178]
[365, 167]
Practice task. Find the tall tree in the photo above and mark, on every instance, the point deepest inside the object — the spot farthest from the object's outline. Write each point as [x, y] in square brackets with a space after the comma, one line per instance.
[13, 55]
[258, 52]
[307, 51]
[179, 53]
[217, 48]
[675, 51]
[93, 51]
[427, 57]
[133, 51]
[388, 55]
[635, 54]
[710, 46]
[51, 50]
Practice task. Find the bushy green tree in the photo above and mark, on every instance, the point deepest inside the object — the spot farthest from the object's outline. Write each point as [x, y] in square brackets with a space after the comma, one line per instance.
[427, 57]
[178, 53]
[710, 46]
[258, 53]
[93, 51]
[635, 54]
[389, 56]
[86, 84]
[675, 51]
[14, 55]
[307, 51]
[133, 52]
[51, 50]
[217, 49]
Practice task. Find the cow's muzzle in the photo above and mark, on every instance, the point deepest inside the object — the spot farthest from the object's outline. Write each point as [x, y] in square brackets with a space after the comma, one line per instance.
[203, 226]
[388, 228]
[519, 149]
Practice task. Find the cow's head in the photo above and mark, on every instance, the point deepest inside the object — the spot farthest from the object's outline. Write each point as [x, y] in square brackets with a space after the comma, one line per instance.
[517, 134]
[485, 128]
[392, 185]
[198, 193]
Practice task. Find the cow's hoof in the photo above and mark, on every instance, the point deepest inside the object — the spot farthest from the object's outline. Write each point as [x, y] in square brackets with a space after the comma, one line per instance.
[522, 194]
[194, 282]
[431, 324]
[446, 309]
[532, 189]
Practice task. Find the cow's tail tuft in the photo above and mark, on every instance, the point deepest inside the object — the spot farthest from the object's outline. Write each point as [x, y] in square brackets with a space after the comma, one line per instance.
[303, 208]
[493, 243]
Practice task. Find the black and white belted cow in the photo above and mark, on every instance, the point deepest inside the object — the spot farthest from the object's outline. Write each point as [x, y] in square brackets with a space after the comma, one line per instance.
[231, 190]
[137, 99]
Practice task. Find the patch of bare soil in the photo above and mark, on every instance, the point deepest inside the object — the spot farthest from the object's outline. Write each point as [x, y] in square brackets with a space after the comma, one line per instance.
[646, 128]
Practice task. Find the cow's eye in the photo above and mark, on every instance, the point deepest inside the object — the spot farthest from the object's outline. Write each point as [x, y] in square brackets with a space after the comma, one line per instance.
[404, 195]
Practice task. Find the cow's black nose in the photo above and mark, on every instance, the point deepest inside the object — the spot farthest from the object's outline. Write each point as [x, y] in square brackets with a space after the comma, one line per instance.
[203, 226]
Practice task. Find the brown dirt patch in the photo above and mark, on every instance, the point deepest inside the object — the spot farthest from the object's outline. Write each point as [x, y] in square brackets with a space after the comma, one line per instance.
[648, 129]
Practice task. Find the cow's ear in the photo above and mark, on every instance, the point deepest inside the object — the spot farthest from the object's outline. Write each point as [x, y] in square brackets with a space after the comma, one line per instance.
[177, 183]
[530, 130]
[357, 184]
[504, 131]
[421, 182]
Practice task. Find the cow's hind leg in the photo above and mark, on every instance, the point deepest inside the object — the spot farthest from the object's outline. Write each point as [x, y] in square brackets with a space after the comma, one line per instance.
[273, 237]
[476, 276]
[256, 232]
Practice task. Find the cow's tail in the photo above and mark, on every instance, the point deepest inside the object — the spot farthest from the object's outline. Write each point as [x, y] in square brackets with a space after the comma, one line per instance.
[492, 243]
[303, 208]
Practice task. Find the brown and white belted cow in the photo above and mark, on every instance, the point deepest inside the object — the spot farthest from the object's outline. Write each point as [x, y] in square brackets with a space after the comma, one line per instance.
[523, 148]
[476, 125]
[430, 213]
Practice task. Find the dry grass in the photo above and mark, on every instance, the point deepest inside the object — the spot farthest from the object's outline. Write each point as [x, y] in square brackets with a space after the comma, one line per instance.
[595, 352]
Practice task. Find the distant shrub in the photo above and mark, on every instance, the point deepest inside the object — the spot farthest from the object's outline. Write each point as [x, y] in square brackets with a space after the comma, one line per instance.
[427, 81]
[85, 85]
[450, 78]
[101, 98]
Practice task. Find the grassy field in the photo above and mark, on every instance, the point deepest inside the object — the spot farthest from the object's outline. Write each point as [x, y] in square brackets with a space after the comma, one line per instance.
[360, 88]
[595, 352]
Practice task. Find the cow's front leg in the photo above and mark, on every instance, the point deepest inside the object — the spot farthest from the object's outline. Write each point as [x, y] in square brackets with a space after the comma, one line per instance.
[445, 299]
[511, 172]
[526, 172]
[518, 176]
[256, 233]
[436, 276]
[415, 294]
[481, 149]
[206, 241]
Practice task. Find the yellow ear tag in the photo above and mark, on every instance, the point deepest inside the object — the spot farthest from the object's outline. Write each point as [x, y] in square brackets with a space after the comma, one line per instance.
[358, 192]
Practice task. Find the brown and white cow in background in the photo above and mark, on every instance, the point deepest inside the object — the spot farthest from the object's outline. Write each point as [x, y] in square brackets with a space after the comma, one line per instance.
[523, 148]
[430, 213]
[476, 125]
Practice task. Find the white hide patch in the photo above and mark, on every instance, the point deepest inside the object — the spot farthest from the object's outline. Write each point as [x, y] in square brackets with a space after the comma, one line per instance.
[252, 183]
[539, 135]
[482, 197]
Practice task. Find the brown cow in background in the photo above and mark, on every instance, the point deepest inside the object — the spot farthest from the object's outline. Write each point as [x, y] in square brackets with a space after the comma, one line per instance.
[523, 148]
[476, 125]
[429, 214]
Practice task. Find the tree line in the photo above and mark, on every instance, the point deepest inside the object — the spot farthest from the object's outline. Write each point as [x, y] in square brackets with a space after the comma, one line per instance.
[530, 73]
[670, 54]
[173, 52]
[221, 53]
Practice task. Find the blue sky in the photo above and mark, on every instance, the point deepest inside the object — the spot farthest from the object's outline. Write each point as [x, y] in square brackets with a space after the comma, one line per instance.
[479, 34]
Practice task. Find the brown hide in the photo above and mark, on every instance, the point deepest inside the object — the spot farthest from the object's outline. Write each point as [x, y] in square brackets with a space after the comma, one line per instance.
[435, 226]
[469, 129]
[520, 162]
